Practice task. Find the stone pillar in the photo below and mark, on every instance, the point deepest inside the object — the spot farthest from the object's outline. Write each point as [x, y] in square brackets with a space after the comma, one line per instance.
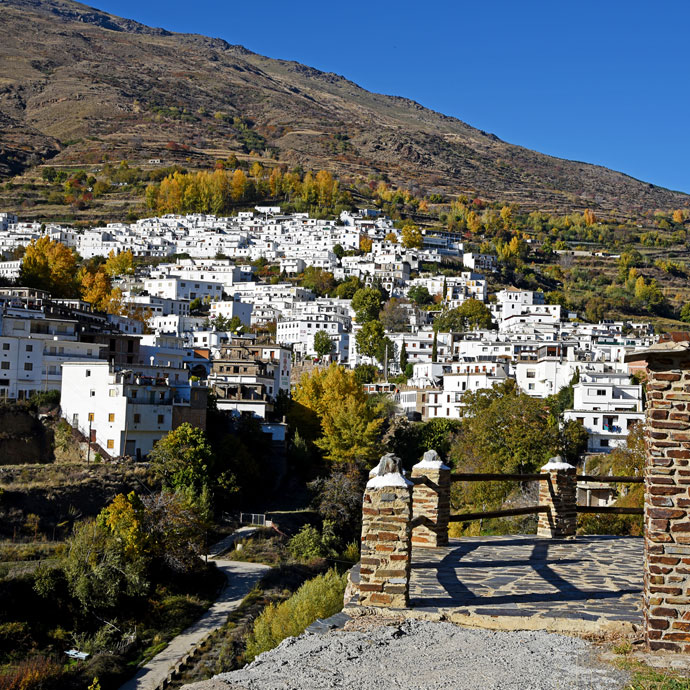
[431, 501]
[559, 494]
[386, 537]
[666, 594]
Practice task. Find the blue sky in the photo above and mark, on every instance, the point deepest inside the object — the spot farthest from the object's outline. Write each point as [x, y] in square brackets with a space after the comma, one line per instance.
[605, 82]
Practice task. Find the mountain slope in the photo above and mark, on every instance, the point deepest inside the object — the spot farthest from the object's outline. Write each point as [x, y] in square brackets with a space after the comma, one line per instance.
[77, 83]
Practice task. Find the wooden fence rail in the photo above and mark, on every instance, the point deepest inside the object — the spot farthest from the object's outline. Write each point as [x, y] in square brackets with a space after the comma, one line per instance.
[529, 510]
[611, 510]
[609, 478]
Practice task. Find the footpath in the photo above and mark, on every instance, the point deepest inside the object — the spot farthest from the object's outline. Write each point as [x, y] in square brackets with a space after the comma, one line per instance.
[241, 578]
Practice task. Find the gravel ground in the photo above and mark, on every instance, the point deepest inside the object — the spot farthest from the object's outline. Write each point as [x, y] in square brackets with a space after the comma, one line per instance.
[421, 655]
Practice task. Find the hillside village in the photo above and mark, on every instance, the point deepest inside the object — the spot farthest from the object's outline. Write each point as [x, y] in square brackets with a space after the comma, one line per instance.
[146, 377]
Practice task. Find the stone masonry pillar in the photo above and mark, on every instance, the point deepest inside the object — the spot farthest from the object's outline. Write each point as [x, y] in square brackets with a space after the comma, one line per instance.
[431, 501]
[666, 593]
[559, 494]
[386, 537]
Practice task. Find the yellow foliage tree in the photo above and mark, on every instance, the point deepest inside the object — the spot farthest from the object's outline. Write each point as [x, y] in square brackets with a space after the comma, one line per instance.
[124, 518]
[411, 237]
[507, 217]
[474, 223]
[238, 185]
[678, 216]
[365, 243]
[349, 427]
[50, 265]
[589, 217]
[391, 237]
[119, 264]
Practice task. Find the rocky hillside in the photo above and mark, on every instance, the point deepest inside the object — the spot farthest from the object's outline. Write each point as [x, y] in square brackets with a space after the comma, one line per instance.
[78, 85]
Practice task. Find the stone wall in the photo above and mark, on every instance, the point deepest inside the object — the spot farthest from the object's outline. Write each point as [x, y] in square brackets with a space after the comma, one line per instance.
[431, 501]
[559, 494]
[386, 538]
[666, 603]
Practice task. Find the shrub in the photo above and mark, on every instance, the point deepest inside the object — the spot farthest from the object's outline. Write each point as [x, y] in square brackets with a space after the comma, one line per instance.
[306, 544]
[34, 673]
[317, 598]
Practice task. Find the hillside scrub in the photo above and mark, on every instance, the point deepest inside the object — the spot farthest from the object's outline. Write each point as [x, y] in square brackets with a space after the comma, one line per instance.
[318, 598]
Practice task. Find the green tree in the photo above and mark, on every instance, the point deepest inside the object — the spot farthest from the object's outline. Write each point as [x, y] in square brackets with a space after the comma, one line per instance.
[323, 345]
[366, 303]
[183, 459]
[348, 288]
[369, 338]
[476, 314]
[403, 357]
[98, 572]
[685, 312]
[420, 295]
[434, 348]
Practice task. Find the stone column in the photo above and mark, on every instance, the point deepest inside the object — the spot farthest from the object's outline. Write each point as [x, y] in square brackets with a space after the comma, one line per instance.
[386, 537]
[666, 594]
[559, 494]
[431, 501]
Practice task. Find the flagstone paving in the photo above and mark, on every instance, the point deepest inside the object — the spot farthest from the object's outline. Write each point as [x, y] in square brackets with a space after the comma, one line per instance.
[593, 578]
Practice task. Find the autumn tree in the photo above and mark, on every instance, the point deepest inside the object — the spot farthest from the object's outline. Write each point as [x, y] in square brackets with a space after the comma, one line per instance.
[365, 244]
[507, 217]
[50, 265]
[348, 428]
[318, 280]
[411, 237]
[394, 316]
[391, 237]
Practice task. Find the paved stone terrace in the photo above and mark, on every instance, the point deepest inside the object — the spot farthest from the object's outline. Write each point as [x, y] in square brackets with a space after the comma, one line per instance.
[586, 579]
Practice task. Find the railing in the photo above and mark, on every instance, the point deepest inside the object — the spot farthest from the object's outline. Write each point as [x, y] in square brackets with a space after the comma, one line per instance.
[610, 479]
[488, 477]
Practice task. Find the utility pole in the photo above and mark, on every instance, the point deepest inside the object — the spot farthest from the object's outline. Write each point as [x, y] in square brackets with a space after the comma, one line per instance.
[385, 364]
[88, 453]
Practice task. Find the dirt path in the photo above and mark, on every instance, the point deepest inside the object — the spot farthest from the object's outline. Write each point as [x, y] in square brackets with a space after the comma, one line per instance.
[241, 577]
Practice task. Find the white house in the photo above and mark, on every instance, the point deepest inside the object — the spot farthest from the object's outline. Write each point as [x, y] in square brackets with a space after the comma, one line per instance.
[607, 405]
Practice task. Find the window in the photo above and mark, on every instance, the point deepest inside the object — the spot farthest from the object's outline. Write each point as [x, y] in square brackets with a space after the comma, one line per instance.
[137, 418]
[29, 348]
[91, 416]
[5, 346]
[161, 418]
[530, 386]
[28, 366]
[604, 442]
[111, 416]
[531, 373]
[87, 372]
[5, 365]
[110, 443]
[92, 393]
[113, 392]
[601, 391]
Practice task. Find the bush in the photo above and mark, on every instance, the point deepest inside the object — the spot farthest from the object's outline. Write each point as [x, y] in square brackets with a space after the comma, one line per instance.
[318, 598]
[306, 545]
[35, 673]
